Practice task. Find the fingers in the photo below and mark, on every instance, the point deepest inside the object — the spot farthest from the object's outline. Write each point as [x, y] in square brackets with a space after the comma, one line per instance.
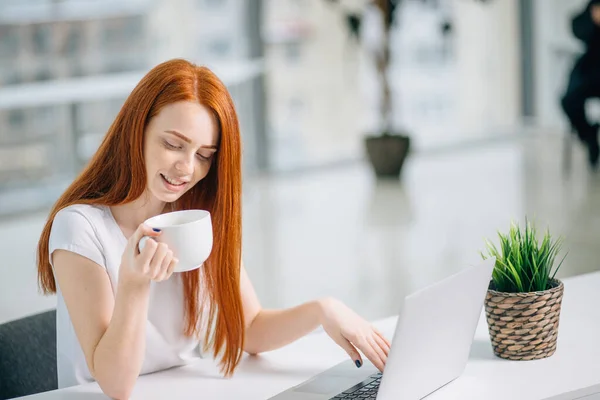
[379, 351]
[369, 350]
[163, 269]
[147, 254]
[374, 346]
[382, 337]
[382, 345]
[350, 349]
[172, 266]
[143, 230]
[167, 267]
[157, 264]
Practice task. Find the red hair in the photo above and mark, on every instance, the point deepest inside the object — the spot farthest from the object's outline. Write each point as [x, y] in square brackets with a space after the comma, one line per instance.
[116, 175]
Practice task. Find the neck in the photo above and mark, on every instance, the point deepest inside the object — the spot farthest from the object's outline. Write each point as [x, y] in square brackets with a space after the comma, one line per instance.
[129, 216]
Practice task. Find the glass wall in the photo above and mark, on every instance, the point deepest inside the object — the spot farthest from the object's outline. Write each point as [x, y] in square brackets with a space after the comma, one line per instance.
[304, 84]
[67, 66]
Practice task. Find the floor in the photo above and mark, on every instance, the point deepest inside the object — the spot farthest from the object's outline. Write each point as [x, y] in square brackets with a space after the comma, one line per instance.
[341, 232]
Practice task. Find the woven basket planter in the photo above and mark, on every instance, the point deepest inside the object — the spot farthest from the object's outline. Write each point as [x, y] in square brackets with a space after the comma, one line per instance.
[524, 326]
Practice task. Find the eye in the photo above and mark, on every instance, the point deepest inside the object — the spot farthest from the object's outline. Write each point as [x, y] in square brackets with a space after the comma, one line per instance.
[203, 158]
[169, 145]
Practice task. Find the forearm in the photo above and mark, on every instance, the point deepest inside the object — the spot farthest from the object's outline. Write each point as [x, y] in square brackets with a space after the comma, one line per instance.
[272, 329]
[119, 355]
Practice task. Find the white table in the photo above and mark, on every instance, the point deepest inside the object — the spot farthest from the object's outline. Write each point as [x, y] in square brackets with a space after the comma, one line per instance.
[574, 367]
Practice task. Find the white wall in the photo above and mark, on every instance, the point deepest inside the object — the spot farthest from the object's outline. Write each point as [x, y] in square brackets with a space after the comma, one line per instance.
[312, 88]
[462, 87]
[487, 63]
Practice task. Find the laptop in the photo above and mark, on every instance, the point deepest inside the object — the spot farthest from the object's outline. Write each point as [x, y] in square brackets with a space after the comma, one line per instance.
[430, 346]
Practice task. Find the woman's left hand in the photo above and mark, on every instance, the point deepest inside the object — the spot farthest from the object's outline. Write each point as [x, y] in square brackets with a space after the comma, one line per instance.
[353, 333]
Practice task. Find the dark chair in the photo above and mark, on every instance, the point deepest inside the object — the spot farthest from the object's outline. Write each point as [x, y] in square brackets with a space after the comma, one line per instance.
[28, 355]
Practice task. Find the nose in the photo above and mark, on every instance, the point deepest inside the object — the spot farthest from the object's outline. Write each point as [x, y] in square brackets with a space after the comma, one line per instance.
[185, 165]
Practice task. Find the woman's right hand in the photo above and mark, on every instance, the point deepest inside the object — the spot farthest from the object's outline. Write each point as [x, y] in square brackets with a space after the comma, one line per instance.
[154, 263]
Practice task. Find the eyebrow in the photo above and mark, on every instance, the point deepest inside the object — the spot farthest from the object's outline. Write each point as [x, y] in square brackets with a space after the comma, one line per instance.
[188, 140]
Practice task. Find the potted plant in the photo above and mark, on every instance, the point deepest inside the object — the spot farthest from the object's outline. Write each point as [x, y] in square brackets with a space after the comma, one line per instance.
[387, 147]
[524, 298]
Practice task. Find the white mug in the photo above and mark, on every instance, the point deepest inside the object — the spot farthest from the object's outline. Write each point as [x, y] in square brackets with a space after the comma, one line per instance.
[188, 233]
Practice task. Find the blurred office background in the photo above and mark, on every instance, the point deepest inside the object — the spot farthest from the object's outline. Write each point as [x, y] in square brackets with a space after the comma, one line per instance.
[476, 84]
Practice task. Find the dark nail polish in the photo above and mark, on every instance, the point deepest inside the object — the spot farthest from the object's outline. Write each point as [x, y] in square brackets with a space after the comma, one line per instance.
[358, 364]
[156, 229]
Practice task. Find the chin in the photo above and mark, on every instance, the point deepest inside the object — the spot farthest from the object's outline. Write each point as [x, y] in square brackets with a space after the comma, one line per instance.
[166, 197]
[169, 199]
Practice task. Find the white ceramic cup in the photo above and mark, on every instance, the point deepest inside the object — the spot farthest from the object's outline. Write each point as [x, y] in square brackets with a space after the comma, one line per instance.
[188, 233]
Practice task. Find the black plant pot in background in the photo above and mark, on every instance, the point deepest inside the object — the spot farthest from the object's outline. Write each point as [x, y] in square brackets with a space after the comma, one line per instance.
[387, 153]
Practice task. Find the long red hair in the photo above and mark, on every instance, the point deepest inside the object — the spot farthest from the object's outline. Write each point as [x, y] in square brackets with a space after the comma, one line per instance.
[116, 175]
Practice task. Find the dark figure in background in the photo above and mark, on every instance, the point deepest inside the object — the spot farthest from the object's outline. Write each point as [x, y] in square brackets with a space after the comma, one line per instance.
[584, 82]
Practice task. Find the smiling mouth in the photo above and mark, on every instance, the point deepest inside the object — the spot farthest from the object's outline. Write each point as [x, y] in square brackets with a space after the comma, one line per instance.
[173, 182]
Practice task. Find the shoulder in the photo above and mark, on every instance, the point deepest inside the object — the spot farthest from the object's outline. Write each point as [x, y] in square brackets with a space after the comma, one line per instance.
[78, 225]
[79, 228]
[80, 215]
[84, 209]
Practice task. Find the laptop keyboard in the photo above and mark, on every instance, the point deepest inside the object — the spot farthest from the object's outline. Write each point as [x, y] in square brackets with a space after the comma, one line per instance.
[367, 389]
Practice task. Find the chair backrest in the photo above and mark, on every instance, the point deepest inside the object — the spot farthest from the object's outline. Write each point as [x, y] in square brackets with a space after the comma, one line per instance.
[28, 355]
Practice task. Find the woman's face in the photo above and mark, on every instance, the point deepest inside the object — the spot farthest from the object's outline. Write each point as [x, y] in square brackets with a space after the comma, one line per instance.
[180, 144]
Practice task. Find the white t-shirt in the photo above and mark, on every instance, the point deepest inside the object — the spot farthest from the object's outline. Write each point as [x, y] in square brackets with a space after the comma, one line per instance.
[92, 232]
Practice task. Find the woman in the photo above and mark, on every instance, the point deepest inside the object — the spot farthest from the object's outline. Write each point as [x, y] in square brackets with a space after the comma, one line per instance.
[174, 145]
[584, 79]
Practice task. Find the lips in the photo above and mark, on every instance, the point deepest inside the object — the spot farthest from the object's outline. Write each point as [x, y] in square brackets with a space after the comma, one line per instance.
[174, 181]
[174, 185]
